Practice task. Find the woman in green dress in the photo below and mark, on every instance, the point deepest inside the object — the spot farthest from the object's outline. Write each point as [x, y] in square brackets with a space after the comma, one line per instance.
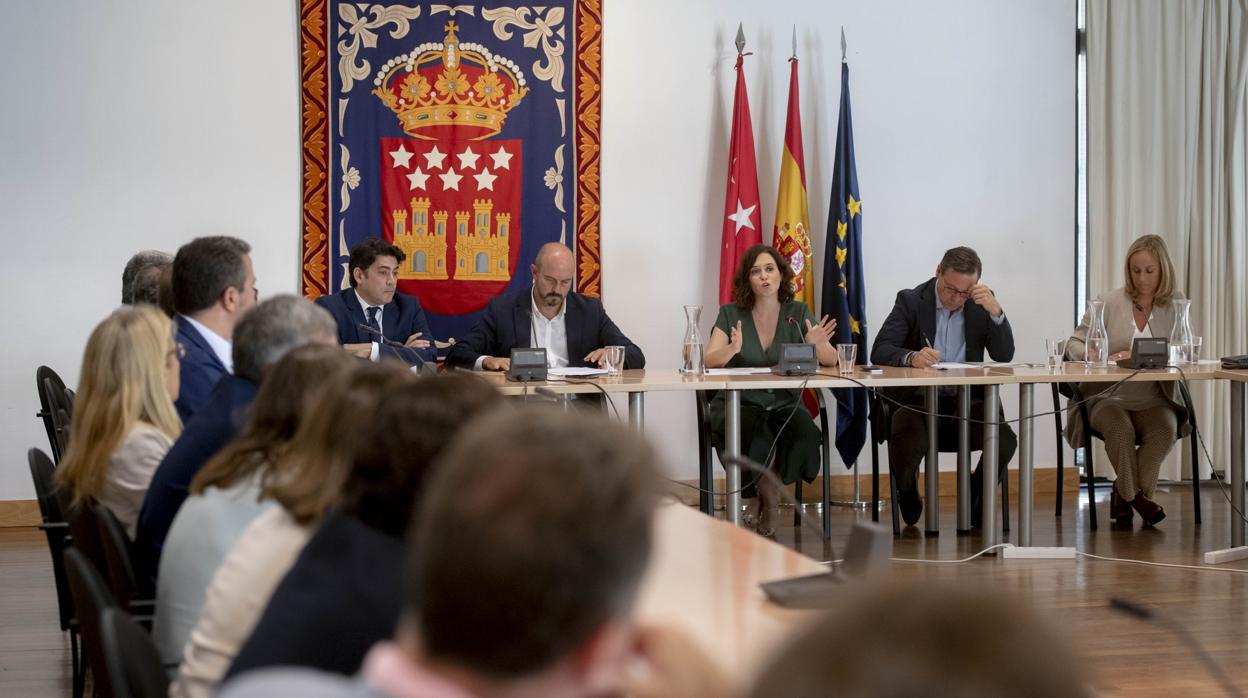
[749, 332]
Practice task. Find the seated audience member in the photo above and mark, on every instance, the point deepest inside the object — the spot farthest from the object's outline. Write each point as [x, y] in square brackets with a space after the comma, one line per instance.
[525, 559]
[140, 280]
[305, 484]
[573, 328]
[749, 332]
[951, 317]
[225, 495]
[213, 287]
[124, 420]
[265, 335]
[371, 311]
[902, 641]
[345, 591]
[1152, 412]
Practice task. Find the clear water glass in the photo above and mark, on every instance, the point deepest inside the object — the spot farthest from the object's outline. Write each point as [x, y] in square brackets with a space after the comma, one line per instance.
[849, 354]
[1197, 343]
[1055, 350]
[613, 357]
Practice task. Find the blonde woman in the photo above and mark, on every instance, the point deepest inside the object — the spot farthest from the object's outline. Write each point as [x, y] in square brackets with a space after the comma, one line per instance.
[124, 419]
[1152, 412]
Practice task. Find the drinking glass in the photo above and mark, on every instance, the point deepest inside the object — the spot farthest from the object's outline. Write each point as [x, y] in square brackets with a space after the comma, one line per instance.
[613, 356]
[849, 353]
[1197, 342]
[1055, 349]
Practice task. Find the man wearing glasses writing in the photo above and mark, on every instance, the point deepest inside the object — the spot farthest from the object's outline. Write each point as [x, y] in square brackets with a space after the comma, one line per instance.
[950, 317]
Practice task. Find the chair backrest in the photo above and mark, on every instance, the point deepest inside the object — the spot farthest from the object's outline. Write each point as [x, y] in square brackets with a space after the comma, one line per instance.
[116, 546]
[91, 597]
[133, 663]
[84, 526]
[51, 390]
[54, 526]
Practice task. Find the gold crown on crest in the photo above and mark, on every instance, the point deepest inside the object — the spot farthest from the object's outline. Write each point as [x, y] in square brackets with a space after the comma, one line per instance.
[450, 85]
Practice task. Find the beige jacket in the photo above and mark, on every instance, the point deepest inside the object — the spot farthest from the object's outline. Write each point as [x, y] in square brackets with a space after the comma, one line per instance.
[1120, 326]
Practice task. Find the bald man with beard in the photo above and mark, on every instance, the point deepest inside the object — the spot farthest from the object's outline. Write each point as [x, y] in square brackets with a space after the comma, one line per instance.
[573, 328]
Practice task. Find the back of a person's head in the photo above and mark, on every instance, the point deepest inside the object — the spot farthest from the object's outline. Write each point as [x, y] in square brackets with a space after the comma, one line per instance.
[273, 328]
[289, 389]
[531, 536]
[307, 477]
[204, 268]
[411, 429]
[140, 280]
[123, 381]
[903, 640]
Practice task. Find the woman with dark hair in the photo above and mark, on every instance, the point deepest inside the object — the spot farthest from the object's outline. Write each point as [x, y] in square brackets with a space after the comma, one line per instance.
[225, 495]
[749, 332]
[345, 591]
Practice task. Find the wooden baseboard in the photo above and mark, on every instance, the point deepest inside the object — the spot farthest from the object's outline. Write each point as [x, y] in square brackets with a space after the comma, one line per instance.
[842, 486]
[19, 512]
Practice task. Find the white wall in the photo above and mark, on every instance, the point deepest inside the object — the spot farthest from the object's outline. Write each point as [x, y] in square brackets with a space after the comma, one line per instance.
[964, 134]
[144, 124]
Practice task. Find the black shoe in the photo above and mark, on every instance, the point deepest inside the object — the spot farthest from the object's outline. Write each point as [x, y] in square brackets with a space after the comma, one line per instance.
[911, 506]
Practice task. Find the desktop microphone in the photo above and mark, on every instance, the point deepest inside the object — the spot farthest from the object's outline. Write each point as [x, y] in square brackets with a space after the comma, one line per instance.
[394, 346]
[1148, 615]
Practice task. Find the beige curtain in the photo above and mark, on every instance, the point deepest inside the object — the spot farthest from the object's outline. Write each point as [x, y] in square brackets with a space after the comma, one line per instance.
[1167, 147]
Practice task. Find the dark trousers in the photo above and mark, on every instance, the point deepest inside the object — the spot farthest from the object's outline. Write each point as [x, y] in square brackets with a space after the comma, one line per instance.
[907, 440]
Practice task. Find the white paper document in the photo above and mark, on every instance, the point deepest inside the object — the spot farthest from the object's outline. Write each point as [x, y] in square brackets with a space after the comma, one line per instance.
[575, 371]
[747, 371]
[939, 365]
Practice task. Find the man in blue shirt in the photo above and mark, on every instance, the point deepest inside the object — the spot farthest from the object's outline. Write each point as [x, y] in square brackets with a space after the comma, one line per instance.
[950, 317]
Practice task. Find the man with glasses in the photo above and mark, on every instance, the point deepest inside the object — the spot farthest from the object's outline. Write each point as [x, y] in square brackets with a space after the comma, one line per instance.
[374, 319]
[951, 317]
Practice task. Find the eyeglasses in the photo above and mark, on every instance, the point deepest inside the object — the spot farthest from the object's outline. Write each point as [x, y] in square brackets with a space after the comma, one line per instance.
[955, 292]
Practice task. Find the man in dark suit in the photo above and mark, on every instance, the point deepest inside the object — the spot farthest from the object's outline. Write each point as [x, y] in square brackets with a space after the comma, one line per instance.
[574, 329]
[951, 317]
[213, 288]
[275, 327]
[374, 320]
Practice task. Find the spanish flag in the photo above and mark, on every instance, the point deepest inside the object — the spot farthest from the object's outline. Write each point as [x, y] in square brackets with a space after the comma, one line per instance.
[791, 235]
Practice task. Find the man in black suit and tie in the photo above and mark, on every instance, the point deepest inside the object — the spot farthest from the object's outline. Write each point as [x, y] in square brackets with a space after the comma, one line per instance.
[951, 317]
[374, 320]
[571, 327]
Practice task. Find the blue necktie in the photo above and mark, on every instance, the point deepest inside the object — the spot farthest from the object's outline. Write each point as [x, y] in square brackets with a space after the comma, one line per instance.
[372, 321]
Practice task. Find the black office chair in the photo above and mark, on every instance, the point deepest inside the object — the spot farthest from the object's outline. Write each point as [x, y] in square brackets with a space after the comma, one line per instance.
[91, 597]
[706, 463]
[53, 396]
[56, 529]
[881, 418]
[1072, 392]
[134, 666]
[120, 570]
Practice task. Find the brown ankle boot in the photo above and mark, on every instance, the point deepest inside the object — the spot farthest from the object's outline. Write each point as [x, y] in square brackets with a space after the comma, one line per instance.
[1120, 509]
[1150, 511]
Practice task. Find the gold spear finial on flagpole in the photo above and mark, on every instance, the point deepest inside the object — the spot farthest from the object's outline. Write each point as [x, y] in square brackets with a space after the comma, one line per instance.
[842, 44]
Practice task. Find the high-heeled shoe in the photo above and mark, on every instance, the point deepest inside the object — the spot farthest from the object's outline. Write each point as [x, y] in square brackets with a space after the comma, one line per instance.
[1150, 511]
[1120, 509]
[769, 507]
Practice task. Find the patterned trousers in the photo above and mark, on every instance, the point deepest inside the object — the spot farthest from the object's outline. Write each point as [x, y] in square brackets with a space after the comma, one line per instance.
[1137, 467]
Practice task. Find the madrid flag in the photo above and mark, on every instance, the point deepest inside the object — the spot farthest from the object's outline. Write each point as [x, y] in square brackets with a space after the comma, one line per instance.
[741, 215]
[791, 235]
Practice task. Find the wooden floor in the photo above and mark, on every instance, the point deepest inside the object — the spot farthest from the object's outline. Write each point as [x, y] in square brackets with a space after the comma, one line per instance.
[1123, 656]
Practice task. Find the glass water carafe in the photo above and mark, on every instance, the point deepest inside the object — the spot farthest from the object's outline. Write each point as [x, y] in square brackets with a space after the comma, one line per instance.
[1096, 344]
[692, 357]
[1181, 333]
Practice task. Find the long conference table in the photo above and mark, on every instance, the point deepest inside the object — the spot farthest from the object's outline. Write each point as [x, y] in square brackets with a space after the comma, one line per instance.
[637, 383]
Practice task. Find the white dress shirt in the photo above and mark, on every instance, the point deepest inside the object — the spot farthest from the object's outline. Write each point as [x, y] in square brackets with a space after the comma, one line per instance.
[381, 327]
[222, 347]
[550, 334]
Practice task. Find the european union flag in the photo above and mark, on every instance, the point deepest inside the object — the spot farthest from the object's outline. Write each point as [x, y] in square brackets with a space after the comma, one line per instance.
[844, 289]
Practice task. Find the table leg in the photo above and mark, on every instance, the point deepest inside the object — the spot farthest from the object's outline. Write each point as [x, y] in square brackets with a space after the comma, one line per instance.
[1026, 466]
[732, 447]
[931, 466]
[637, 411]
[992, 405]
[964, 459]
[1239, 454]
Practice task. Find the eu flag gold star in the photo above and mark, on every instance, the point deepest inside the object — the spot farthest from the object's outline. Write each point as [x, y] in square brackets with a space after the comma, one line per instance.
[854, 326]
[855, 207]
[841, 254]
[841, 229]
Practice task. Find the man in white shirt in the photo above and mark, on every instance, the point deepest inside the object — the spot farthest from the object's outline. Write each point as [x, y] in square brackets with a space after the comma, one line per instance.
[213, 287]
[574, 329]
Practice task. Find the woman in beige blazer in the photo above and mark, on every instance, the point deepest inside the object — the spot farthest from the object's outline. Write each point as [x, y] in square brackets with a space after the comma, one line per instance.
[1151, 411]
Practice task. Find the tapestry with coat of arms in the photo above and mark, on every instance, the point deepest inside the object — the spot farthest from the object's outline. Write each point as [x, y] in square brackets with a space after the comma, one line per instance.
[468, 135]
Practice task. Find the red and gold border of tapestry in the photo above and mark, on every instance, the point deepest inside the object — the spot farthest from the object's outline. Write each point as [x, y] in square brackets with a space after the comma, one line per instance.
[314, 103]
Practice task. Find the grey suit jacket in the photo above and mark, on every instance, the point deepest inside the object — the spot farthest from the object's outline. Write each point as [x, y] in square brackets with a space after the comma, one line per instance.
[1120, 326]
